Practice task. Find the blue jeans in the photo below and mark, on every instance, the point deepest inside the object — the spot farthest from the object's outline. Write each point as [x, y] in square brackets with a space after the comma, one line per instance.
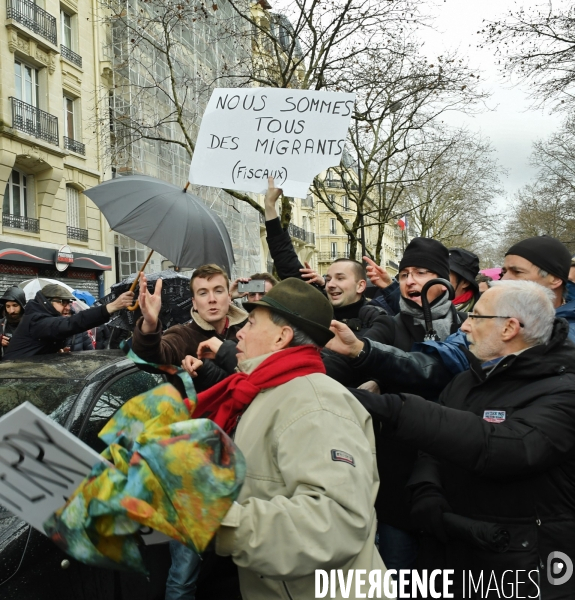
[181, 583]
[398, 548]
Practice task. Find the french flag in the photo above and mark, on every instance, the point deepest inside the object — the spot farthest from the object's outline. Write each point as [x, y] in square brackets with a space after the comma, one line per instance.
[402, 223]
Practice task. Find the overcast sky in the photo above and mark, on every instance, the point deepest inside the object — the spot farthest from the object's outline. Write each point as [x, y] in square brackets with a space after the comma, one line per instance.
[511, 126]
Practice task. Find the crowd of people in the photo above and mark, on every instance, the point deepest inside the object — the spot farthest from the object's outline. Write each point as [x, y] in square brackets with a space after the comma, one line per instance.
[369, 445]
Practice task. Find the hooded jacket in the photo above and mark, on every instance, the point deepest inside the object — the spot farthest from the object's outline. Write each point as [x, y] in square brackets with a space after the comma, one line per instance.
[303, 505]
[43, 330]
[12, 294]
[501, 449]
[171, 347]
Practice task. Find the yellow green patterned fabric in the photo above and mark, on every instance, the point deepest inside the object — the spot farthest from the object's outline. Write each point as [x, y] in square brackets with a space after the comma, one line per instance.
[166, 471]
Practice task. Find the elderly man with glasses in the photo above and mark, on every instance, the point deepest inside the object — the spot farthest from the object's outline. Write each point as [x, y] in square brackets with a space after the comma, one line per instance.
[494, 487]
[43, 330]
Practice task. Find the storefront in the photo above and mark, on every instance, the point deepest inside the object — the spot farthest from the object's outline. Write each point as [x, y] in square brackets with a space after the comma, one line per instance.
[80, 270]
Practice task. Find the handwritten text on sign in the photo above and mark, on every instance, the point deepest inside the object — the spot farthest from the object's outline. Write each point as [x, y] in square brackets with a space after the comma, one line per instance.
[248, 135]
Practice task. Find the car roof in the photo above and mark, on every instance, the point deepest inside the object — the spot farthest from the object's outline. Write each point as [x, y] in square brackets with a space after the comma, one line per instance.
[68, 365]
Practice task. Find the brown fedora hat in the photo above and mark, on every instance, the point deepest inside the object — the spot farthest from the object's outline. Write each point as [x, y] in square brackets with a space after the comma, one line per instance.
[302, 305]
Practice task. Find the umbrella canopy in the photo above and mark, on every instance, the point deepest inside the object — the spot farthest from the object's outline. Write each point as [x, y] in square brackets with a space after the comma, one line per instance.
[165, 218]
[176, 300]
[494, 273]
[85, 296]
[32, 286]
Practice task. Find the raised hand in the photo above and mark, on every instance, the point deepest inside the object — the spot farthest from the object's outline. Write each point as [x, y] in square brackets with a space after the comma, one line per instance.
[344, 341]
[209, 348]
[150, 304]
[122, 301]
[271, 197]
[378, 275]
[312, 276]
[191, 364]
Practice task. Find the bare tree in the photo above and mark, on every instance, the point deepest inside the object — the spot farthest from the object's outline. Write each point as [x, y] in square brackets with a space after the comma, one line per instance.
[547, 206]
[454, 201]
[537, 45]
[401, 96]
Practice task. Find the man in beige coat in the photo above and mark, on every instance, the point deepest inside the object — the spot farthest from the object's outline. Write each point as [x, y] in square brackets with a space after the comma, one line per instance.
[308, 499]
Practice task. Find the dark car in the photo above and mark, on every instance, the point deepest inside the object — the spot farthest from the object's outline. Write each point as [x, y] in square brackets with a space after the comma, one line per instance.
[81, 392]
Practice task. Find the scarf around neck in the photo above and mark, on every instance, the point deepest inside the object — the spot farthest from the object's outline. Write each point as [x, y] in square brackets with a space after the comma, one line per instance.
[224, 402]
[440, 314]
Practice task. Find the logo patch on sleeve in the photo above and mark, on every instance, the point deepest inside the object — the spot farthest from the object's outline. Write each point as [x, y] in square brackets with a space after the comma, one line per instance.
[341, 456]
[494, 416]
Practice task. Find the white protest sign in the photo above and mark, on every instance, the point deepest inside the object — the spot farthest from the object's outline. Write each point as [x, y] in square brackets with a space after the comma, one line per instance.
[250, 134]
[41, 465]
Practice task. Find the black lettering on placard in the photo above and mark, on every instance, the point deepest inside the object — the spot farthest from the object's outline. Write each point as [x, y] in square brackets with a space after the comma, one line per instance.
[244, 172]
[30, 462]
[232, 103]
[225, 142]
[20, 492]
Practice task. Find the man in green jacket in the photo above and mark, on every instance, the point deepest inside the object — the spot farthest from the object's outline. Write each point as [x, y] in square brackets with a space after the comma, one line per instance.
[308, 499]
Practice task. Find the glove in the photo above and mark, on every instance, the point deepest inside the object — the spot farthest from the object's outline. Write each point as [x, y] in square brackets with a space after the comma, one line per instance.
[427, 507]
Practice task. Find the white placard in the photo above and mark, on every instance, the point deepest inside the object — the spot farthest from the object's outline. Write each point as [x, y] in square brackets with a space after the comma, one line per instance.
[41, 465]
[250, 134]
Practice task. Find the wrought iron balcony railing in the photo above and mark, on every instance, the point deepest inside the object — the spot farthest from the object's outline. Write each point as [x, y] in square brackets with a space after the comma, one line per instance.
[30, 15]
[331, 256]
[74, 233]
[32, 225]
[34, 121]
[70, 55]
[75, 146]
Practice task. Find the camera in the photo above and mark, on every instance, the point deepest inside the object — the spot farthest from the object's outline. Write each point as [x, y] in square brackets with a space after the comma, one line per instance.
[256, 286]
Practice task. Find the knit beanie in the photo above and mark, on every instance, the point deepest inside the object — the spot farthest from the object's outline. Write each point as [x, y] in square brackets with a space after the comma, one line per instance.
[425, 253]
[544, 252]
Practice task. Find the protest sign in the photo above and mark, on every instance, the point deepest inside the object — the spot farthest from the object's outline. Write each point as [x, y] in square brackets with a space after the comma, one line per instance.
[41, 465]
[248, 135]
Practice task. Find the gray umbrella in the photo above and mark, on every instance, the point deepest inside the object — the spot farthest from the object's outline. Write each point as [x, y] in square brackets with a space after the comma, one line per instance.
[165, 218]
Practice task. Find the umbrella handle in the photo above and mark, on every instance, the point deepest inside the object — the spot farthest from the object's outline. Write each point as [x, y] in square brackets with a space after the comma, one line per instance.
[135, 282]
[425, 303]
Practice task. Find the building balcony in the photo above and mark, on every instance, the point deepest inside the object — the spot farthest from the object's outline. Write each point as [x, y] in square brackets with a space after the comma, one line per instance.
[331, 256]
[74, 146]
[33, 17]
[36, 122]
[75, 233]
[70, 55]
[17, 222]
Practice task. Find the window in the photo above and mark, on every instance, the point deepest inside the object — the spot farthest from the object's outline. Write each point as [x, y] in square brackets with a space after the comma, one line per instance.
[114, 397]
[66, 29]
[345, 202]
[332, 227]
[347, 248]
[69, 118]
[333, 252]
[304, 224]
[73, 202]
[15, 195]
[26, 82]
[131, 256]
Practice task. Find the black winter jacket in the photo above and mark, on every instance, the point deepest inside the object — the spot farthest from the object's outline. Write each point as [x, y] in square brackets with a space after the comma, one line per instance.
[519, 472]
[359, 316]
[395, 458]
[43, 330]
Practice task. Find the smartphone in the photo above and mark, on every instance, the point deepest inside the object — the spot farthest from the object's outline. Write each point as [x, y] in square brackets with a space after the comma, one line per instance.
[256, 286]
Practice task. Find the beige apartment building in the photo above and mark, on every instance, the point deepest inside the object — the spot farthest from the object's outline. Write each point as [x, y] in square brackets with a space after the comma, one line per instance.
[48, 146]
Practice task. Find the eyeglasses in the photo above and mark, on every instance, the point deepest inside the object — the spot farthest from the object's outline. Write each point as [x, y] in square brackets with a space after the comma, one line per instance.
[474, 316]
[62, 301]
[417, 274]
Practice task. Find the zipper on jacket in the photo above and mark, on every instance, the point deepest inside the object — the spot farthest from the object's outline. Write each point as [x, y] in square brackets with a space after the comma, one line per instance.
[287, 591]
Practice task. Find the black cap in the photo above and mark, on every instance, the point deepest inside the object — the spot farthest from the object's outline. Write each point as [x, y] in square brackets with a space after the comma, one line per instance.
[544, 252]
[426, 253]
[465, 264]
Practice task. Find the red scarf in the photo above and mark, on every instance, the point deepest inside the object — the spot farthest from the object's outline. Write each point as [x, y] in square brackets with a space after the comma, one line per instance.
[465, 297]
[225, 401]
